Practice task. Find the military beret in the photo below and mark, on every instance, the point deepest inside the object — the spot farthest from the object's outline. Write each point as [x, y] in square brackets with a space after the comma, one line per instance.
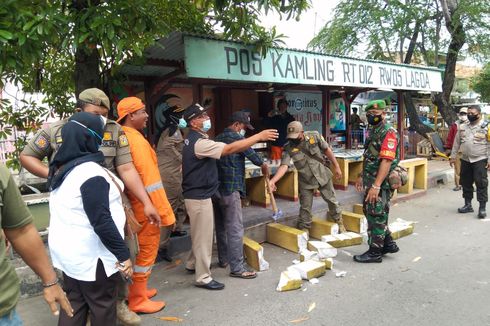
[376, 105]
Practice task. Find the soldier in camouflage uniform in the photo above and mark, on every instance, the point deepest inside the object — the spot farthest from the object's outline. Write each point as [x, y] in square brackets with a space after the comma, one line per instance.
[306, 149]
[380, 158]
[118, 159]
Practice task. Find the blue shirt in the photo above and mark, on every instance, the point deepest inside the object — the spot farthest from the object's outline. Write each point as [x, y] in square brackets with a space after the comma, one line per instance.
[231, 168]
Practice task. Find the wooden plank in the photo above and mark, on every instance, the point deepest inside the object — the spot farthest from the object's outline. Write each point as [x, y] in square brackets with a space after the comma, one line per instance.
[357, 208]
[289, 280]
[256, 191]
[354, 222]
[323, 249]
[287, 237]
[321, 227]
[343, 240]
[287, 187]
[254, 254]
[309, 269]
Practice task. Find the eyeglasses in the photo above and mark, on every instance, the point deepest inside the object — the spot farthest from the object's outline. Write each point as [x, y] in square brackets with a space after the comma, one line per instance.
[90, 130]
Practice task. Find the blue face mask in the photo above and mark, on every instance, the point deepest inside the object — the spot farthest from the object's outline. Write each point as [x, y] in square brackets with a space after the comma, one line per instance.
[206, 125]
[242, 132]
[182, 123]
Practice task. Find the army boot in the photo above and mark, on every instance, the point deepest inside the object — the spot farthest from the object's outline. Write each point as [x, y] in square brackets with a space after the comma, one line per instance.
[482, 211]
[390, 246]
[373, 255]
[467, 208]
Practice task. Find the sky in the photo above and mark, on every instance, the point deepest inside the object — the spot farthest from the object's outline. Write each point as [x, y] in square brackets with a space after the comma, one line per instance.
[300, 33]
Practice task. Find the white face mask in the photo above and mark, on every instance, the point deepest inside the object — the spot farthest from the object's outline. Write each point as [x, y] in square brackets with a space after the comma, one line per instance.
[463, 118]
[242, 132]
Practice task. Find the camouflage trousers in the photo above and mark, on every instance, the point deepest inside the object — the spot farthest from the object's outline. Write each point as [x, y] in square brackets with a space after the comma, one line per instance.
[377, 217]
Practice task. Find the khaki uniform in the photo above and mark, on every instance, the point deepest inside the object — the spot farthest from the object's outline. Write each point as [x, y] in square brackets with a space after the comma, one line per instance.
[311, 175]
[169, 154]
[473, 141]
[115, 147]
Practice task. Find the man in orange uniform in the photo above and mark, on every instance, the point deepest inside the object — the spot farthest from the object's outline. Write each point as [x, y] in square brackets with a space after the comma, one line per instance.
[133, 118]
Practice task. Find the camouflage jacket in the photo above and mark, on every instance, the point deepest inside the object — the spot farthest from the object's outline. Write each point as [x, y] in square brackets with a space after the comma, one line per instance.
[382, 142]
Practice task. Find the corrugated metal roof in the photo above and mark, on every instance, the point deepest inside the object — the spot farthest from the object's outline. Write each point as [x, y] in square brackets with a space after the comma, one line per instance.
[168, 48]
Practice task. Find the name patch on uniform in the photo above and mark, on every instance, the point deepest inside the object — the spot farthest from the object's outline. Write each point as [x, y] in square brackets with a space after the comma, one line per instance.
[109, 143]
[294, 150]
[123, 141]
[107, 135]
[41, 142]
[59, 140]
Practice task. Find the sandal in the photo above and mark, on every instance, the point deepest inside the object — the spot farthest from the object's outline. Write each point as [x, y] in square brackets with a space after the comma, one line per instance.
[244, 274]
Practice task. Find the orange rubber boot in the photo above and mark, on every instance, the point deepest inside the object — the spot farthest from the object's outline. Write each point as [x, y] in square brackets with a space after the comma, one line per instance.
[150, 293]
[138, 300]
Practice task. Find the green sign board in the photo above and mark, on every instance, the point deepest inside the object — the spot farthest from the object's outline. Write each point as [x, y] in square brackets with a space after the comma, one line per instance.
[214, 59]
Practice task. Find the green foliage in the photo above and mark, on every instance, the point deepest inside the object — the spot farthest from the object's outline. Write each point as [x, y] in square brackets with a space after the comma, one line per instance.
[481, 83]
[17, 120]
[383, 28]
[40, 41]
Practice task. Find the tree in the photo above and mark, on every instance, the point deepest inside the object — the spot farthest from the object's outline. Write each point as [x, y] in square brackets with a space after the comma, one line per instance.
[481, 83]
[411, 30]
[62, 47]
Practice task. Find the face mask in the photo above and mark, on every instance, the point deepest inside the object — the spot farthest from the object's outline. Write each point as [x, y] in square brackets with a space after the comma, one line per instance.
[104, 120]
[295, 141]
[472, 117]
[182, 123]
[242, 132]
[206, 125]
[374, 119]
[463, 118]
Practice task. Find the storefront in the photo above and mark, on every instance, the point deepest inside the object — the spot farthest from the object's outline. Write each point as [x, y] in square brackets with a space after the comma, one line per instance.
[231, 76]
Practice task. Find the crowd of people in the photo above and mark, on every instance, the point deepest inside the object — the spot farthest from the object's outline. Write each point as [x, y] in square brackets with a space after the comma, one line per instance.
[116, 199]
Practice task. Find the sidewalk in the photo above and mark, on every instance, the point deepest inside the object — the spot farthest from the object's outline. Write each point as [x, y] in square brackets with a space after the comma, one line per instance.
[439, 277]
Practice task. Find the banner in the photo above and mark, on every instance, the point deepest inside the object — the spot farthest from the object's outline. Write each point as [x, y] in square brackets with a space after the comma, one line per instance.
[215, 59]
[306, 108]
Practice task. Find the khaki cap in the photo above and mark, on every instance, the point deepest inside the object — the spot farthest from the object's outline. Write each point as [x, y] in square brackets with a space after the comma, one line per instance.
[294, 129]
[96, 97]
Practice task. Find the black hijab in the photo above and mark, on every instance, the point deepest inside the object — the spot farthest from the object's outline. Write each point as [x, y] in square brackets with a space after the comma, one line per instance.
[82, 136]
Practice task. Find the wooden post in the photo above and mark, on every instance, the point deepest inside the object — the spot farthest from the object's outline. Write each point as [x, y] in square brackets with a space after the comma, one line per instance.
[347, 121]
[149, 109]
[401, 123]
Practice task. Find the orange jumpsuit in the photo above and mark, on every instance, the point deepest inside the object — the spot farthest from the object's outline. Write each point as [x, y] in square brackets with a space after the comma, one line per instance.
[145, 162]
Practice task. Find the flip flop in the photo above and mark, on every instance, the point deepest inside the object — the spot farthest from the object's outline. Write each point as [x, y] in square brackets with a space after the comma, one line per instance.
[251, 274]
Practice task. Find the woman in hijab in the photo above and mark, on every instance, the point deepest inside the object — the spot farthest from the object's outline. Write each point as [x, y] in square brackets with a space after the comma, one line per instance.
[87, 223]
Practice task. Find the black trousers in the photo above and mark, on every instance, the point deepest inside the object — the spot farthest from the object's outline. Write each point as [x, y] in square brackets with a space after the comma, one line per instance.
[98, 297]
[476, 173]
